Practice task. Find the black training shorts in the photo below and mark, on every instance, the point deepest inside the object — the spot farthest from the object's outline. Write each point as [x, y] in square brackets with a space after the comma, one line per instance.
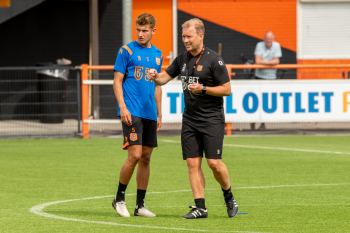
[204, 136]
[141, 132]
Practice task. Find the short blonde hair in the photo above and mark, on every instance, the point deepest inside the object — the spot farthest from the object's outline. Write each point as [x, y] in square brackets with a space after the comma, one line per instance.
[146, 19]
[197, 23]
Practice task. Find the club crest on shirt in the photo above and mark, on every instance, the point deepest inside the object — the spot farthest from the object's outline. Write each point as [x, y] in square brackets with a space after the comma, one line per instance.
[133, 137]
[199, 68]
[158, 61]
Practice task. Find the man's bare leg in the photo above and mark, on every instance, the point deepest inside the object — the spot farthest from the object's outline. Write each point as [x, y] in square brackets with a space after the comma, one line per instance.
[221, 175]
[143, 169]
[196, 176]
[134, 155]
[142, 178]
[197, 182]
[220, 172]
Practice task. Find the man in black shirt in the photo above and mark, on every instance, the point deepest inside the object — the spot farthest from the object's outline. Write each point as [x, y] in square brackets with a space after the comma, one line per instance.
[205, 81]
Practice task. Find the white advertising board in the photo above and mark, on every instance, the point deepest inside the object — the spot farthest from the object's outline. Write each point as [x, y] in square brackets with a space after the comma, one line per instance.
[272, 101]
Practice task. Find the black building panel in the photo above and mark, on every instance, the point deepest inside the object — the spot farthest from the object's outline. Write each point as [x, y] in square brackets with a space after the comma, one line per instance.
[233, 44]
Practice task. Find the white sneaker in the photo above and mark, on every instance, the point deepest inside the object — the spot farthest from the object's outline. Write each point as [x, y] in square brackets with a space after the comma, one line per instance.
[143, 211]
[120, 208]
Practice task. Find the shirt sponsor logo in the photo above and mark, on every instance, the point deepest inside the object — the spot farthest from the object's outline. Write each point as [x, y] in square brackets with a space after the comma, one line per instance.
[138, 74]
[189, 81]
[199, 68]
[141, 72]
[158, 61]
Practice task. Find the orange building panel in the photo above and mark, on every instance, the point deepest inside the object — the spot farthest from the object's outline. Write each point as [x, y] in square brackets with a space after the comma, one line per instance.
[251, 17]
[5, 3]
[323, 73]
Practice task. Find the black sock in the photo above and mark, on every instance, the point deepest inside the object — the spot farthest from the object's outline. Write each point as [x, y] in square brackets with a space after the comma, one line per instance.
[200, 203]
[140, 200]
[227, 192]
[121, 192]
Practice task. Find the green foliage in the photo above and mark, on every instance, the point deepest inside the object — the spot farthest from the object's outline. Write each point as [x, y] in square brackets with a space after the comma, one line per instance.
[281, 190]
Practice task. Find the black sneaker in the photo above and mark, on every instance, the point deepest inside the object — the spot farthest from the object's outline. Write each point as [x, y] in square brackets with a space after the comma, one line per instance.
[196, 213]
[231, 205]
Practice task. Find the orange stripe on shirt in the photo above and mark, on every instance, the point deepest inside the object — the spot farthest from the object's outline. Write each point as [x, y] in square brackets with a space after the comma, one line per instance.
[128, 49]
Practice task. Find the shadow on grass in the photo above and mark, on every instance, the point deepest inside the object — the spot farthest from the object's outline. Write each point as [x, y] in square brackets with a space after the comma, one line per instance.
[67, 213]
[112, 214]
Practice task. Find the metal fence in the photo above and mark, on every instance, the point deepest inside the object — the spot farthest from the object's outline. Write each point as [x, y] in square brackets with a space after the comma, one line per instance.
[47, 102]
[104, 123]
[40, 101]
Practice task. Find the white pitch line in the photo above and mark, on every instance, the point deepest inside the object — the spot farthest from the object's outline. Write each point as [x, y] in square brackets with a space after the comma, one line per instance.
[39, 209]
[292, 185]
[275, 148]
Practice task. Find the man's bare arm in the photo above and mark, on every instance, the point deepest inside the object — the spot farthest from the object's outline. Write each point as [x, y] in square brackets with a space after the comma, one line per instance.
[159, 78]
[259, 61]
[223, 90]
[125, 115]
[158, 98]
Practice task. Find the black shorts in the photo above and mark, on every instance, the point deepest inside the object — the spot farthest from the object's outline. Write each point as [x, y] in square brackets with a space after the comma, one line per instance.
[141, 132]
[205, 136]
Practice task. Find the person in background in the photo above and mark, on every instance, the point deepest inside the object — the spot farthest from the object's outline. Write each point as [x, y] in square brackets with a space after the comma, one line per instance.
[267, 52]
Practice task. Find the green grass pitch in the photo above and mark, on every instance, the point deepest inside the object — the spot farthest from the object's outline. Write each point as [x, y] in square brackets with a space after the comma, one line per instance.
[284, 184]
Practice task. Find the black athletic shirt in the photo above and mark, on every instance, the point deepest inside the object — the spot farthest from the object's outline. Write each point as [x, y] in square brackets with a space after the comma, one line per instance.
[210, 71]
